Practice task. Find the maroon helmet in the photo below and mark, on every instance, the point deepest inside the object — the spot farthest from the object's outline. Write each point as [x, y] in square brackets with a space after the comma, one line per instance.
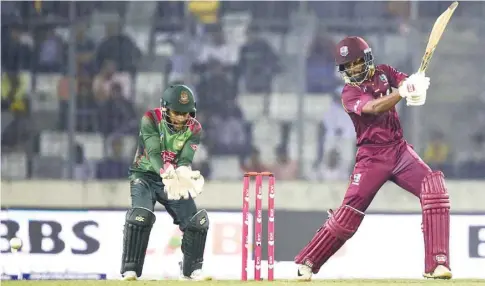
[354, 60]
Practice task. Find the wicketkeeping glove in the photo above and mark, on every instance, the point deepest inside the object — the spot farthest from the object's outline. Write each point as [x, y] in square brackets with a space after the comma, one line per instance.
[170, 181]
[192, 182]
[182, 182]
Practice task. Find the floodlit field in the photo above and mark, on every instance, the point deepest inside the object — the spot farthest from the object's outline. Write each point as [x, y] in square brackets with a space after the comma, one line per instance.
[263, 283]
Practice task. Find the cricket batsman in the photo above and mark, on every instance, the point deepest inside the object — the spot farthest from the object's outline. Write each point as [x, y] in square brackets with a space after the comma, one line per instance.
[161, 172]
[369, 97]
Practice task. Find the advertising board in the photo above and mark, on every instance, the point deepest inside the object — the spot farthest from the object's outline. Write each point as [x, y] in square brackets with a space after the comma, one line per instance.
[76, 241]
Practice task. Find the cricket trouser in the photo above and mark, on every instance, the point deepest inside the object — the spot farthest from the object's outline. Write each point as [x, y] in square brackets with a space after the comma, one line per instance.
[375, 165]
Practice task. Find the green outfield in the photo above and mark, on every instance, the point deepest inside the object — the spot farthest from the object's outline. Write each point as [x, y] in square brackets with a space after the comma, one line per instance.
[356, 282]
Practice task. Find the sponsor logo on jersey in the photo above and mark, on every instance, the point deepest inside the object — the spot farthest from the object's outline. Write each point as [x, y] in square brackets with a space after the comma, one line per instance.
[194, 146]
[383, 78]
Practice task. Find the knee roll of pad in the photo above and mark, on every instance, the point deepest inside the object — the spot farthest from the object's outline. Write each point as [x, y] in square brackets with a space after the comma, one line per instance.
[344, 222]
[138, 225]
[433, 192]
[193, 242]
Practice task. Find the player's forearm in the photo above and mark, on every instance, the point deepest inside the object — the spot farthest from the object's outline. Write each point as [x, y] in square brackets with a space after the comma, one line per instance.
[152, 145]
[382, 104]
[187, 155]
[156, 160]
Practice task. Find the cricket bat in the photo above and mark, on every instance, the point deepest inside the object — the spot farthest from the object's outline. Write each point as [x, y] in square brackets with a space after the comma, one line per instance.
[435, 36]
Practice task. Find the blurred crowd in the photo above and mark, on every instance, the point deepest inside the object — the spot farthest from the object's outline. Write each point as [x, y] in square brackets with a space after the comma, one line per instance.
[35, 41]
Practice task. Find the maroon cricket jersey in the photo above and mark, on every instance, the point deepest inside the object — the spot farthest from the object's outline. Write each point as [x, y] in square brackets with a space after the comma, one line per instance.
[381, 129]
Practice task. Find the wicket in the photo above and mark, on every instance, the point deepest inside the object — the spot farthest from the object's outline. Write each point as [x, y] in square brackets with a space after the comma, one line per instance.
[258, 225]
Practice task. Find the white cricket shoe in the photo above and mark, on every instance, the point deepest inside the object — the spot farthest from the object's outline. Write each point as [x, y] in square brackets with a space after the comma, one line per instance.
[129, 276]
[304, 273]
[197, 275]
[440, 272]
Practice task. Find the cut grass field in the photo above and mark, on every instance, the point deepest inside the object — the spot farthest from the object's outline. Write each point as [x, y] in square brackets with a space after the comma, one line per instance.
[356, 282]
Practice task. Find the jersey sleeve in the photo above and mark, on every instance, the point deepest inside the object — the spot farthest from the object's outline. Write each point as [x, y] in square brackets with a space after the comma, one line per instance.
[188, 151]
[151, 141]
[354, 99]
[395, 76]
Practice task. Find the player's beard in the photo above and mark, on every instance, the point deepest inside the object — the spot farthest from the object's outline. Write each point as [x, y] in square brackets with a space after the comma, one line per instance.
[179, 125]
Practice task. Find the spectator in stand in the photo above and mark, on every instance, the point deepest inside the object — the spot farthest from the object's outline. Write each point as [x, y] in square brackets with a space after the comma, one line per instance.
[284, 168]
[472, 161]
[253, 163]
[112, 92]
[224, 122]
[227, 134]
[85, 48]
[180, 64]
[215, 90]
[320, 74]
[86, 107]
[339, 131]
[115, 166]
[332, 168]
[16, 52]
[83, 170]
[437, 152]
[206, 12]
[109, 75]
[119, 48]
[116, 114]
[52, 56]
[201, 161]
[15, 112]
[216, 48]
[258, 63]
[16, 55]
[169, 16]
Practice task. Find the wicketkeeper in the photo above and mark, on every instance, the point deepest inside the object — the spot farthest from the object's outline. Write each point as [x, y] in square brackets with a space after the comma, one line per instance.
[161, 172]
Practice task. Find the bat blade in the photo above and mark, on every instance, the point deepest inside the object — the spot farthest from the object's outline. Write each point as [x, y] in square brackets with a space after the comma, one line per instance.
[435, 35]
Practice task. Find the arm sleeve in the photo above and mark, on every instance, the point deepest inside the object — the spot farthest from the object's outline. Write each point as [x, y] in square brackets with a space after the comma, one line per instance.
[188, 151]
[354, 99]
[395, 76]
[151, 140]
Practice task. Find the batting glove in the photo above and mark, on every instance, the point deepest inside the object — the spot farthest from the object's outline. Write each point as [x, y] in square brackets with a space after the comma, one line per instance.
[419, 97]
[414, 86]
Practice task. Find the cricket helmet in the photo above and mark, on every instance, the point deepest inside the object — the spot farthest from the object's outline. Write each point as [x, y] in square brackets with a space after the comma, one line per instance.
[354, 50]
[178, 98]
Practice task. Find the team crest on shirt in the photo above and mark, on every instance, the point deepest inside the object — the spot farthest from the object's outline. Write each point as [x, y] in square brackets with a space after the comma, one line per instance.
[356, 179]
[383, 78]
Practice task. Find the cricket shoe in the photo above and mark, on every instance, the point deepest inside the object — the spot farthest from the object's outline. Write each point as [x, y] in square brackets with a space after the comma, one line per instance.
[129, 276]
[304, 273]
[440, 272]
[197, 275]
